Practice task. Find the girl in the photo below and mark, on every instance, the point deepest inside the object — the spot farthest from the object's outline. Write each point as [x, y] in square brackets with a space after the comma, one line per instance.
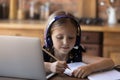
[62, 39]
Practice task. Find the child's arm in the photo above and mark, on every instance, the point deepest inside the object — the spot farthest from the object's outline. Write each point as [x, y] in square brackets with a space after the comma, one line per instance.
[47, 66]
[94, 64]
[98, 63]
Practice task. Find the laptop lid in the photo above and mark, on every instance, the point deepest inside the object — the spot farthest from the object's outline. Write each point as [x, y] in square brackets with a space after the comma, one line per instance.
[21, 57]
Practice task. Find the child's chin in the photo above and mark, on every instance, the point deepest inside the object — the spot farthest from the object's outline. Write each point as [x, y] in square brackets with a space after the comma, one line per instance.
[64, 52]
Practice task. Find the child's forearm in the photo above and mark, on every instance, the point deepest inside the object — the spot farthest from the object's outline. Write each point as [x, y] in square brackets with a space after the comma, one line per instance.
[47, 66]
[102, 65]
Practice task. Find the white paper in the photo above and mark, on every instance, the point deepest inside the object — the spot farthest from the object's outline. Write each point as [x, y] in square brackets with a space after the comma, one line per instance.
[106, 75]
[73, 66]
[50, 75]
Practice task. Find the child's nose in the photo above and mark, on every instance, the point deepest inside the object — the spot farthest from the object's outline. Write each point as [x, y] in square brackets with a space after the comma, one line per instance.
[65, 41]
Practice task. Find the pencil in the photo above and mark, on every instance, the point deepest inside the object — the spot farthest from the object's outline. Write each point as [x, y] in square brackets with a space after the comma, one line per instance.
[52, 56]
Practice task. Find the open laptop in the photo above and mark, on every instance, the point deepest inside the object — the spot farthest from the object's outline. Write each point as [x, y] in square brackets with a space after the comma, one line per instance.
[21, 57]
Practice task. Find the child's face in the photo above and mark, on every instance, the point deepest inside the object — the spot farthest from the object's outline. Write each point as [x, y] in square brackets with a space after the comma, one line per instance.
[64, 38]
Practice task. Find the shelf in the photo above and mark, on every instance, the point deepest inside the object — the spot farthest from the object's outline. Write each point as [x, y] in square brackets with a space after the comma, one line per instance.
[35, 24]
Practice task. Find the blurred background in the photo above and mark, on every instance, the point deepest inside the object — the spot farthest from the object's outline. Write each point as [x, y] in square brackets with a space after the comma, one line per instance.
[40, 9]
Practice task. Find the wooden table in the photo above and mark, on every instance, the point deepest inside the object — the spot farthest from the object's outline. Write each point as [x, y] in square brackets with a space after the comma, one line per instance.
[56, 77]
[64, 77]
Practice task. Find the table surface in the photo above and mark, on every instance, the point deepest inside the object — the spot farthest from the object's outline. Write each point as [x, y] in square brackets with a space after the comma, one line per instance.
[65, 77]
[56, 77]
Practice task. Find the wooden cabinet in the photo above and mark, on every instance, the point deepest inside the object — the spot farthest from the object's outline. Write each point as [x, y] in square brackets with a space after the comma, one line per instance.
[22, 32]
[87, 8]
[115, 57]
[92, 41]
[112, 46]
[111, 40]
[91, 37]
[93, 49]
[24, 28]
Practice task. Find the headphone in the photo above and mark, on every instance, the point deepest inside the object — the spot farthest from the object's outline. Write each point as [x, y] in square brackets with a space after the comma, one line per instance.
[48, 40]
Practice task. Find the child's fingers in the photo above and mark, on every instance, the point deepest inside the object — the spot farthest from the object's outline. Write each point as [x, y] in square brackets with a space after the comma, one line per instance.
[78, 73]
[60, 70]
[58, 66]
[62, 64]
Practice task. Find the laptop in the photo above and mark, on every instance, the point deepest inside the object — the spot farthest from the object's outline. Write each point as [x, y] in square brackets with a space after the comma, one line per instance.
[21, 57]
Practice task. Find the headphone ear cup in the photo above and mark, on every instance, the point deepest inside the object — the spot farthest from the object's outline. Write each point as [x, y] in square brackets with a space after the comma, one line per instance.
[49, 42]
[77, 41]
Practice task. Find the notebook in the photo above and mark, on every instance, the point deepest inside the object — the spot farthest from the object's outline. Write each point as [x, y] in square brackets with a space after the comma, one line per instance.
[21, 57]
[105, 75]
[72, 67]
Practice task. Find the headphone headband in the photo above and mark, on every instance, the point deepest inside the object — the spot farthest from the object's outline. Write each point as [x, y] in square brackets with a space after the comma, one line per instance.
[59, 17]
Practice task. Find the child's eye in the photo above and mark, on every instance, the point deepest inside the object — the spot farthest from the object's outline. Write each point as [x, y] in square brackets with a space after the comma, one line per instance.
[62, 37]
[71, 37]
[59, 37]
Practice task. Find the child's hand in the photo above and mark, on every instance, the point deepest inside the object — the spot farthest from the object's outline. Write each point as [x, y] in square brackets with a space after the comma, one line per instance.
[82, 71]
[58, 66]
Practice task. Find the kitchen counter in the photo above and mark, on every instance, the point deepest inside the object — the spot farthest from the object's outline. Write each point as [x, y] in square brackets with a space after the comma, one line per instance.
[41, 25]
[104, 28]
[26, 24]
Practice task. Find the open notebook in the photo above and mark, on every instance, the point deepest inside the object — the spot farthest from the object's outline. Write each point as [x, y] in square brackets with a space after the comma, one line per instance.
[21, 57]
[103, 75]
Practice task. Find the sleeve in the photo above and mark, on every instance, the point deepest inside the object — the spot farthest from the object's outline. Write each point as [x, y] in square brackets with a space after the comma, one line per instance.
[83, 48]
[76, 55]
